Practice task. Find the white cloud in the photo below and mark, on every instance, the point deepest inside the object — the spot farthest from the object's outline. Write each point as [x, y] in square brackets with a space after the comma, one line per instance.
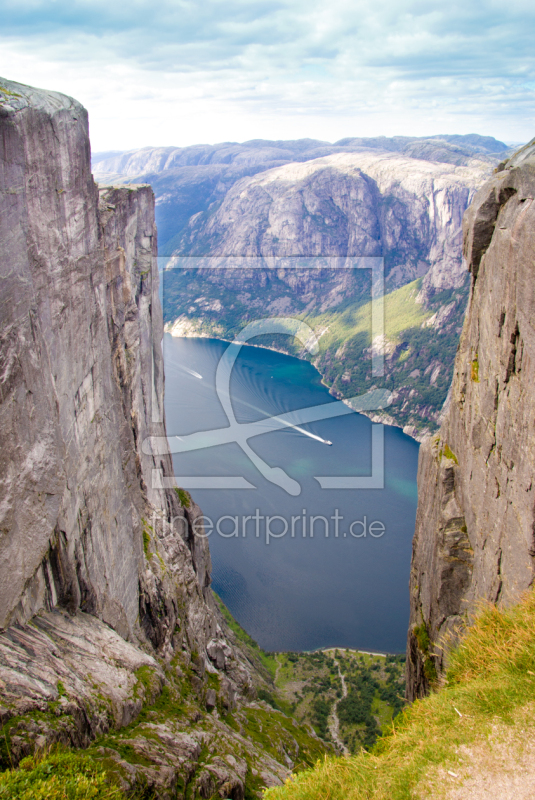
[182, 72]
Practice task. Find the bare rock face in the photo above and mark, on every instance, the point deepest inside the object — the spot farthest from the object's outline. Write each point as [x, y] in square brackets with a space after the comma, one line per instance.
[105, 600]
[475, 523]
[193, 180]
[82, 382]
[349, 204]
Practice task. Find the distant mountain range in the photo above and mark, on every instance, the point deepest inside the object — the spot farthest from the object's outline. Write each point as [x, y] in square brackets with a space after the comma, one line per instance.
[401, 198]
[187, 180]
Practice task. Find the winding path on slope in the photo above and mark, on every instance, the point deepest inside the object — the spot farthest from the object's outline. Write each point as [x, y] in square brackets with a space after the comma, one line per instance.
[277, 670]
[334, 722]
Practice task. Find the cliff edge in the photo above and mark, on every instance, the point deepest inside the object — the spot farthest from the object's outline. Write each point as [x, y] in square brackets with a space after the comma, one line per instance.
[107, 620]
[475, 526]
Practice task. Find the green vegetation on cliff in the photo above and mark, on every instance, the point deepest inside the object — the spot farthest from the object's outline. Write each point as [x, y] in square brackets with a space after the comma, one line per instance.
[455, 737]
[181, 713]
[58, 776]
[437, 747]
[420, 339]
[310, 684]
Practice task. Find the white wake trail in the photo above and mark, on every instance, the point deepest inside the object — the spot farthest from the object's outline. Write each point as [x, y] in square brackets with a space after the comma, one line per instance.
[286, 425]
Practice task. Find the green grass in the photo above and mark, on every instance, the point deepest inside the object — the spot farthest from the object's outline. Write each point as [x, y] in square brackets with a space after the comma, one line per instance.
[276, 733]
[402, 312]
[148, 680]
[184, 497]
[448, 452]
[310, 685]
[267, 660]
[58, 776]
[3, 90]
[146, 543]
[490, 682]
[178, 704]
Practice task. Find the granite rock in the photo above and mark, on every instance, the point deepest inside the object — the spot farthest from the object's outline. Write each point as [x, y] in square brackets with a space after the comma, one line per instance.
[105, 601]
[475, 522]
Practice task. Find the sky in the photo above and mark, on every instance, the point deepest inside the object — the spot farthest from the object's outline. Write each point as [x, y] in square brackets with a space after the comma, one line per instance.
[179, 72]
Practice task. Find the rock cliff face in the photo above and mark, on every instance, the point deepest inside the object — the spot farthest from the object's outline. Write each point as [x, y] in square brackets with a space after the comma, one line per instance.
[82, 380]
[475, 523]
[105, 603]
[193, 180]
[351, 204]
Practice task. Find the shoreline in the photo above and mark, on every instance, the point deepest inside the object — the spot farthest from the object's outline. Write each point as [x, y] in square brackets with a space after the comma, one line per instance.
[382, 418]
[340, 649]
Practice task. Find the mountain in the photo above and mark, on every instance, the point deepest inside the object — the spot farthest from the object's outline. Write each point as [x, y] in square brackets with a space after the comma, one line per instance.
[475, 524]
[400, 199]
[187, 180]
[110, 636]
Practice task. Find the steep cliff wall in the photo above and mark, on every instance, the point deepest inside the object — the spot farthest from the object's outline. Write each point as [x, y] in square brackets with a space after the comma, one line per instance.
[82, 381]
[475, 524]
[104, 590]
[191, 180]
[348, 204]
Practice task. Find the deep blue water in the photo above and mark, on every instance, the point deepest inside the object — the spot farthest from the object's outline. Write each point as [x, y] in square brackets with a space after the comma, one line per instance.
[296, 593]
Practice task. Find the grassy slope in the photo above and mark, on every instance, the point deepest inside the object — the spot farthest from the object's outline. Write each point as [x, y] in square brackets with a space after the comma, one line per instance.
[490, 685]
[352, 316]
[306, 685]
[58, 776]
[402, 312]
[264, 662]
